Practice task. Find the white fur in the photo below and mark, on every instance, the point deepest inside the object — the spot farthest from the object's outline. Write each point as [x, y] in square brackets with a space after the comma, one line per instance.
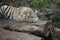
[21, 13]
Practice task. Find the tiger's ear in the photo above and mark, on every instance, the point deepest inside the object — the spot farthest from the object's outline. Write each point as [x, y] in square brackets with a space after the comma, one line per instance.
[36, 11]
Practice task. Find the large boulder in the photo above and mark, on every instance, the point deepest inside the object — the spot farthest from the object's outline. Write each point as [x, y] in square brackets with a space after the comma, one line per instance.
[11, 35]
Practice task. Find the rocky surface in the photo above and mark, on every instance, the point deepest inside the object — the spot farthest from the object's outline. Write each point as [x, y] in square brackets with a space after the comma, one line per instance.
[13, 30]
[9, 35]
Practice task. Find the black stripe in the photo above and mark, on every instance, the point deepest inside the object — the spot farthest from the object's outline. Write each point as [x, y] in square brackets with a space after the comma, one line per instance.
[9, 15]
[8, 11]
[1, 10]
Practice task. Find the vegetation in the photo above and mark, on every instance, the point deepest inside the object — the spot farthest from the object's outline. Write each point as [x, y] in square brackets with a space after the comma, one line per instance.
[37, 4]
[56, 20]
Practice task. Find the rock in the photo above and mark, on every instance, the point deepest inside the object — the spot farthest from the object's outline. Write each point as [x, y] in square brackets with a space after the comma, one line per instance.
[9, 35]
[41, 28]
[11, 25]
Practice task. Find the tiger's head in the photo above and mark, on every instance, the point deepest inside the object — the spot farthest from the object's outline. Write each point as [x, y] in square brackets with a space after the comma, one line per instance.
[27, 14]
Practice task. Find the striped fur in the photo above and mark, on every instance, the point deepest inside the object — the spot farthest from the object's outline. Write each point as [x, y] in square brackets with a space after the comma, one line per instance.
[18, 14]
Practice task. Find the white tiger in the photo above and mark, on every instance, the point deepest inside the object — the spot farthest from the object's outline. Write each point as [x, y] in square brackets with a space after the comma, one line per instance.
[18, 14]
